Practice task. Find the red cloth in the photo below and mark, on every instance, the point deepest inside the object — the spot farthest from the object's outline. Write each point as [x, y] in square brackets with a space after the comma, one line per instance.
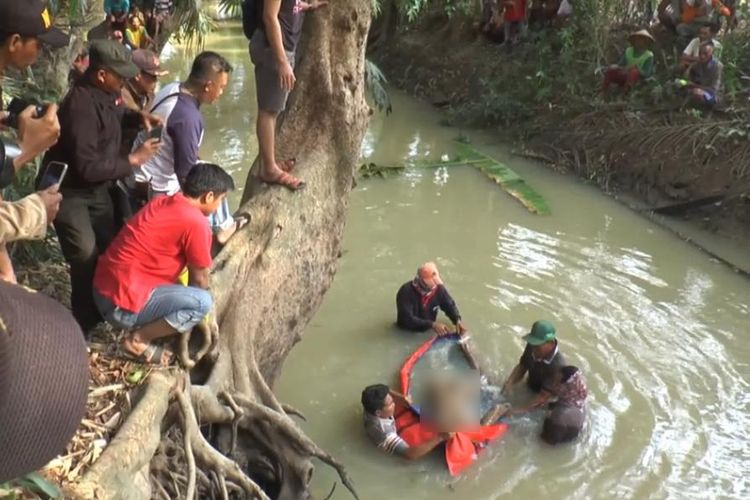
[621, 76]
[461, 450]
[152, 250]
[515, 13]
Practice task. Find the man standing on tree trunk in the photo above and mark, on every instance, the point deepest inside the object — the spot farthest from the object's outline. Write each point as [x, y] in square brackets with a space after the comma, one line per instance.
[272, 50]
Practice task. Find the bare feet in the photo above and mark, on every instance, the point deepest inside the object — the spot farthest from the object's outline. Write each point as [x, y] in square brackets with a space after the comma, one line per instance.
[281, 176]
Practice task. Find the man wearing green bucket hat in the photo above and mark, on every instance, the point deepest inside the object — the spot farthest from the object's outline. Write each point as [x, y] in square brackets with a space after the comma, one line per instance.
[541, 359]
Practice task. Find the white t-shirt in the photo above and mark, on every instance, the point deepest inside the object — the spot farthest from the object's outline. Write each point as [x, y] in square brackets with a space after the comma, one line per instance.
[694, 47]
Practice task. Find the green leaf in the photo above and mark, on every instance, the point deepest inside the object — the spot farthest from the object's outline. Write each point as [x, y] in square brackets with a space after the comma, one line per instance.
[135, 376]
[506, 178]
[38, 484]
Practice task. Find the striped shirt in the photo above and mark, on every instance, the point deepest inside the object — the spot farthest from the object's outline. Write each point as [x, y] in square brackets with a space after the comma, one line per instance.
[382, 432]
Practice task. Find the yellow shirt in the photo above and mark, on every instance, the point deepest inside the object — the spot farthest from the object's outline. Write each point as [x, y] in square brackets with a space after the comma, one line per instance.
[136, 37]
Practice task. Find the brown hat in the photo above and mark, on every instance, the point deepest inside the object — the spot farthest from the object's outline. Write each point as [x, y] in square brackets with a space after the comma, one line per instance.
[148, 62]
[643, 34]
[43, 379]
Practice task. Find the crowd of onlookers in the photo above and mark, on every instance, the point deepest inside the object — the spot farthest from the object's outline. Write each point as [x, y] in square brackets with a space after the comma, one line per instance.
[137, 213]
[694, 25]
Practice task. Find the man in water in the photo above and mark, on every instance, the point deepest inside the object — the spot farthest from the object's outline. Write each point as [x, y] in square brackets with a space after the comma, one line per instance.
[541, 359]
[379, 403]
[568, 412]
[418, 300]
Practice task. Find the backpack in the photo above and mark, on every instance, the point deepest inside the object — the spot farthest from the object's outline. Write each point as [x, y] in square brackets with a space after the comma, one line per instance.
[252, 16]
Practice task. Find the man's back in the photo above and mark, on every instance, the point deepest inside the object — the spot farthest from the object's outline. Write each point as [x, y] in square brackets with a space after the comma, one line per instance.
[180, 140]
[152, 250]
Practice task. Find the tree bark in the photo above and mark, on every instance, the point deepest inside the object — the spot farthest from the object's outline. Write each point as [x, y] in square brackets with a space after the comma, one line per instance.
[270, 279]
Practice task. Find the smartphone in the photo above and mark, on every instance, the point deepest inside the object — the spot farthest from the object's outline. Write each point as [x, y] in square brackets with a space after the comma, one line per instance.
[155, 133]
[54, 173]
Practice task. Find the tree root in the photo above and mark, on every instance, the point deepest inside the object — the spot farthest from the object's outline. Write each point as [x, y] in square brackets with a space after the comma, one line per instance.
[208, 455]
[189, 457]
[290, 410]
[297, 438]
[209, 328]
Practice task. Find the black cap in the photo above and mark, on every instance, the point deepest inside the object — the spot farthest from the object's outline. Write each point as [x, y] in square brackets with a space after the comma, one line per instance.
[113, 56]
[31, 18]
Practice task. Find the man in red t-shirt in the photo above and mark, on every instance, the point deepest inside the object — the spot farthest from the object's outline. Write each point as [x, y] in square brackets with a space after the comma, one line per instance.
[134, 284]
[514, 21]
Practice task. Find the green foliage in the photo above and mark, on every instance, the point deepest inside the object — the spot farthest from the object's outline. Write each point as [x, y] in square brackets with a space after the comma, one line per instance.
[506, 178]
[376, 85]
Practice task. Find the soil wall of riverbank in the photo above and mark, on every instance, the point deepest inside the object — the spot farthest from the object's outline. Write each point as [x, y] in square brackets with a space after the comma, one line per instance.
[648, 147]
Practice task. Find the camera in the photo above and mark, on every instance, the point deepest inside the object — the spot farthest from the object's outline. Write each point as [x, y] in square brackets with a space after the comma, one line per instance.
[17, 106]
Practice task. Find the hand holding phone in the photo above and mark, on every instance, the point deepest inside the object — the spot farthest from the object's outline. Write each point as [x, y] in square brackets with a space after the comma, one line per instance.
[54, 174]
[155, 133]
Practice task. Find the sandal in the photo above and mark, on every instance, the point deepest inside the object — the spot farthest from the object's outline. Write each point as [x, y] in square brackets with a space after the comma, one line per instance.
[285, 179]
[152, 355]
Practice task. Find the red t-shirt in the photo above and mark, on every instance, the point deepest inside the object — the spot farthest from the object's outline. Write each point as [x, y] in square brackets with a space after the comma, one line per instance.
[152, 250]
[517, 12]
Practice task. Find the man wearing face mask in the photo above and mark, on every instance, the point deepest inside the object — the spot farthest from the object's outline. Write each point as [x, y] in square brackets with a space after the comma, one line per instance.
[91, 133]
[418, 302]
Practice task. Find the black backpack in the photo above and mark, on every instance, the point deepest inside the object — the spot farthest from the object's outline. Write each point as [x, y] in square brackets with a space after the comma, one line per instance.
[252, 16]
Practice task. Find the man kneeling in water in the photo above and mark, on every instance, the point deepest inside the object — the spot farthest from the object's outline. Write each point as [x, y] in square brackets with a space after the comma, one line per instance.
[379, 404]
[568, 413]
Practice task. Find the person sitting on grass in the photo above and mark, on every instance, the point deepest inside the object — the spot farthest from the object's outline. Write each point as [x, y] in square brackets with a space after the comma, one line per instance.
[379, 403]
[637, 63]
[135, 283]
[136, 36]
[704, 84]
[690, 55]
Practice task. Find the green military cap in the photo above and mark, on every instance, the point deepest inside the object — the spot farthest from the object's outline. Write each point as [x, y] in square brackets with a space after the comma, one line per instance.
[113, 56]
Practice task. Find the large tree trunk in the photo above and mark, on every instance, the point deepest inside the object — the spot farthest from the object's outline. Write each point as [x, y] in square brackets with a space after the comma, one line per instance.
[268, 282]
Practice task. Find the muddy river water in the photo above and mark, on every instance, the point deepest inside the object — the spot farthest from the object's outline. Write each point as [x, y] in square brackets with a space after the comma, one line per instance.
[659, 329]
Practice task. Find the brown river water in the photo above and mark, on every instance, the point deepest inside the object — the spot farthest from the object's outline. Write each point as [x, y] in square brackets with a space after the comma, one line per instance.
[659, 329]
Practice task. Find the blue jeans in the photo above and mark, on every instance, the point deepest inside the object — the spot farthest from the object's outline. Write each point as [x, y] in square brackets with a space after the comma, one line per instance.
[183, 307]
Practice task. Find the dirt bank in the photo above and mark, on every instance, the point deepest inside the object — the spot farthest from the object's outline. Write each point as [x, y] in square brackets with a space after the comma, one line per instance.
[650, 150]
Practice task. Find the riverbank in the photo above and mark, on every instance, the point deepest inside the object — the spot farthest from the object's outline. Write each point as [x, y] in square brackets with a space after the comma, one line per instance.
[643, 149]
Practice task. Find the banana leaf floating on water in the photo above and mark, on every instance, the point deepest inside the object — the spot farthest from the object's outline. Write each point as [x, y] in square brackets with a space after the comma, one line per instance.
[506, 178]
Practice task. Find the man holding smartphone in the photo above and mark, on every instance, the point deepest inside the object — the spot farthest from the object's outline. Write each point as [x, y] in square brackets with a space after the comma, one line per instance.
[90, 143]
[24, 28]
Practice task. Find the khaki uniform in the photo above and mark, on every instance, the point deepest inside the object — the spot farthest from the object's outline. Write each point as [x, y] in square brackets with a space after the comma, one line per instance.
[23, 220]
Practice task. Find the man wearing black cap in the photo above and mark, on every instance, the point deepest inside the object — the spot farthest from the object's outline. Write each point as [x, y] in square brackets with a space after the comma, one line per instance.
[90, 143]
[138, 92]
[24, 27]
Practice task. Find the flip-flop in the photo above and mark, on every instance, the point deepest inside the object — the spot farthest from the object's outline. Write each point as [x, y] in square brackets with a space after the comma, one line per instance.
[287, 165]
[288, 181]
[151, 353]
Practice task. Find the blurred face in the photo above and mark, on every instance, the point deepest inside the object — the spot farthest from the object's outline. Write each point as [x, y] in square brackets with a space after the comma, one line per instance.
[135, 23]
[544, 350]
[213, 89]
[210, 202]
[388, 409]
[705, 53]
[108, 80]
[429, 274]
[22, 52]
[640, 44]
[704, 33]
[145, 83]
